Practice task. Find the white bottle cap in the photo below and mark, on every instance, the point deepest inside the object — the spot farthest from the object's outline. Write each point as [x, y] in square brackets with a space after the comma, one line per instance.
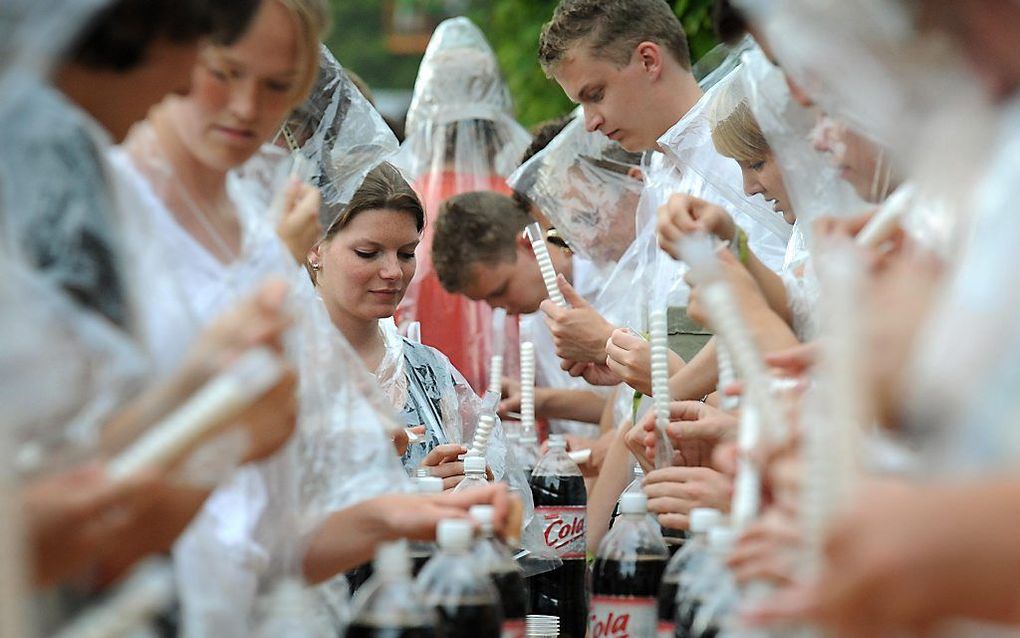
[703, 519]
[474, 464]
[557, 442]
[392, 559]
[721, 539]
[634, 503]
[484, 515]
[430, 485]
[454, 533]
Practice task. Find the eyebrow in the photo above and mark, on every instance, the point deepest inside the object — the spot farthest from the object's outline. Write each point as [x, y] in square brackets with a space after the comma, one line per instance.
[586, 91]
[240, 62]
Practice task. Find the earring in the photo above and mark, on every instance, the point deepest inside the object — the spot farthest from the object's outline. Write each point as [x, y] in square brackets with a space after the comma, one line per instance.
[316, 266]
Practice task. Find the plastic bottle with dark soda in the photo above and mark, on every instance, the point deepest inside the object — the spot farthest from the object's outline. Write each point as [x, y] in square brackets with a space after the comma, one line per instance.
[560, 502]
[685, 561]
[700, 581]
[422, 551]
[389, 605]
[626, 574]
[462, 594]
[495, 558]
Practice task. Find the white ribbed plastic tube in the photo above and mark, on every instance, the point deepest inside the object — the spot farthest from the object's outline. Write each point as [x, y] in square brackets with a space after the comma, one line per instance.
[527, 389]
[545, 264]
[483, 431]
[657, 326]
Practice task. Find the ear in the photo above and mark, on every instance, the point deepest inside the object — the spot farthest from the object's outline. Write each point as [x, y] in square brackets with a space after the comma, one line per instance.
[314, 256]
[523, 244]
[635, 172]
[649, 54]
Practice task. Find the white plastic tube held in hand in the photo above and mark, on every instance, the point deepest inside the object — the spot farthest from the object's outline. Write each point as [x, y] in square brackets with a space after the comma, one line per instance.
[221, 400]
[885, 222]
[527, 389]
[498, 345]
[545, 265]
[660, 385]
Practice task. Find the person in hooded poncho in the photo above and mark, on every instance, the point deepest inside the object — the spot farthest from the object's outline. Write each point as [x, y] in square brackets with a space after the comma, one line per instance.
[461, 137]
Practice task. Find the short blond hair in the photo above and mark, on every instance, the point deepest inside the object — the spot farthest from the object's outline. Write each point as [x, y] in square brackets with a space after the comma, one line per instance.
[313, 21]
[738, 136]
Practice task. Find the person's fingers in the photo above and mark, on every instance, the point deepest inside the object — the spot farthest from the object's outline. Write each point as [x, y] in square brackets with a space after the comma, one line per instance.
[448, 469]
[676, 474]
[572, 297]
[451, 482]
[443, 453]
[553, 312]
[578, 369]
[670, 505]
[792, 604]
[674, 520]
[686, 410]
[673, 489]
[626, 340]
[291, 194]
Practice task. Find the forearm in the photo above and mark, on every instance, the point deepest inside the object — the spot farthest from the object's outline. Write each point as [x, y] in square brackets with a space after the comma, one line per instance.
[772, 287]
[613, 479]
[344, 540]
[698, 377]
[768, 329]
[576, 405]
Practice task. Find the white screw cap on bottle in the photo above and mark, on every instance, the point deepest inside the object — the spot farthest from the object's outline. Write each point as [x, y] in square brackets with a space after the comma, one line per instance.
[557, 442]
[454, 533]
[722, 539]
[484, 515]
[634, 503]
[392, 560]
[704, 519]
[430, 485]
[474, 465]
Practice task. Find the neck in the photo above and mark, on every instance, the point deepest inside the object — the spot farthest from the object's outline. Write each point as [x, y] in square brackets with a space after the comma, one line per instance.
[363, 335]
[90, 92]
[680, 97]
[204, 184]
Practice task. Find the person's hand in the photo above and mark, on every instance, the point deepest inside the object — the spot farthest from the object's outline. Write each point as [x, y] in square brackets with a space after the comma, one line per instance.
[904, 558]
[769, 549]
[579, 332]
[593, 373]
[511, 401]
[683, 215]
[674, 491]
[442, 462]
[744, 288]
[599, 448]
[695, 429]
[271, 419]
[628, 356]
[401, 439]
[415, 517]
[70, 515]
[827, 227]
[299, 228]
[794, 362]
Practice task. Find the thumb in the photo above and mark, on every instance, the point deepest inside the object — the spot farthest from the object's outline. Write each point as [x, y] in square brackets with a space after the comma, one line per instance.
[574, 299]
[291, 194]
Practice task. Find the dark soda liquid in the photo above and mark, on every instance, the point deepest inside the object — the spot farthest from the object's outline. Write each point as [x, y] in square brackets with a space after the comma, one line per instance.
[466, 620]
[667, 602]
[674, 538]
[513, 594]
[633, 578]
[359, 630]
[686, 612]
[418, 561]
[561, 592]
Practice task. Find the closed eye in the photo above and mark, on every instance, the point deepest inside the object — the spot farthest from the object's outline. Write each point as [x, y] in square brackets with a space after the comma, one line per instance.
[366, 254]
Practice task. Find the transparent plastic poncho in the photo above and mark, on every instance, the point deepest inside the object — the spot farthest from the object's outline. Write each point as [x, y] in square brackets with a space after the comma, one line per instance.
[254, 529]
[461, 137]
[584, 183]
[336, 132]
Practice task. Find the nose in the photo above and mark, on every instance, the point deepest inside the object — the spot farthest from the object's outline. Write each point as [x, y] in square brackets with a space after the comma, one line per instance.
[820, 135]
[592, 120]
[798, 94]
[751, 184]
[244, 100]
[390, 270]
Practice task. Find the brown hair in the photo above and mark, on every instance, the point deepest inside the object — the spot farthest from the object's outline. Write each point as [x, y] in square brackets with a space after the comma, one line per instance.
[384, 188]
[479, 227]
[313, 22]
[738, 136]
[612, 29]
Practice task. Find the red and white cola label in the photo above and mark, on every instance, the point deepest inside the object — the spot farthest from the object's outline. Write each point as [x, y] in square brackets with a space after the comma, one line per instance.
[513, 628]
[564, 530]
[620, 617]
[667, 629]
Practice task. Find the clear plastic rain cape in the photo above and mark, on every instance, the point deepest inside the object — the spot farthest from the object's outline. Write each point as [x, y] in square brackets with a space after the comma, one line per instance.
[58, 226]
[584, 184]
[461, 137]
[253, 529]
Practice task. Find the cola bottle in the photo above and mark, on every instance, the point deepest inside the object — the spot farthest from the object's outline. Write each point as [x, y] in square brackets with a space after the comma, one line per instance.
[462, 595]
[422, 551]
[685, 561]
[699, 582]
[560, 503]
[495, 559]
[626, 573]
[389, 605]
[674, 538]
[291, 610]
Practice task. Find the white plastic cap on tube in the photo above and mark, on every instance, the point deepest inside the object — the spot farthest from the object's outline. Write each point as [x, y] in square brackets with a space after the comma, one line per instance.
[430, 485]
[474, 464]
[634, 503]
[704, 519]
[454, 533]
